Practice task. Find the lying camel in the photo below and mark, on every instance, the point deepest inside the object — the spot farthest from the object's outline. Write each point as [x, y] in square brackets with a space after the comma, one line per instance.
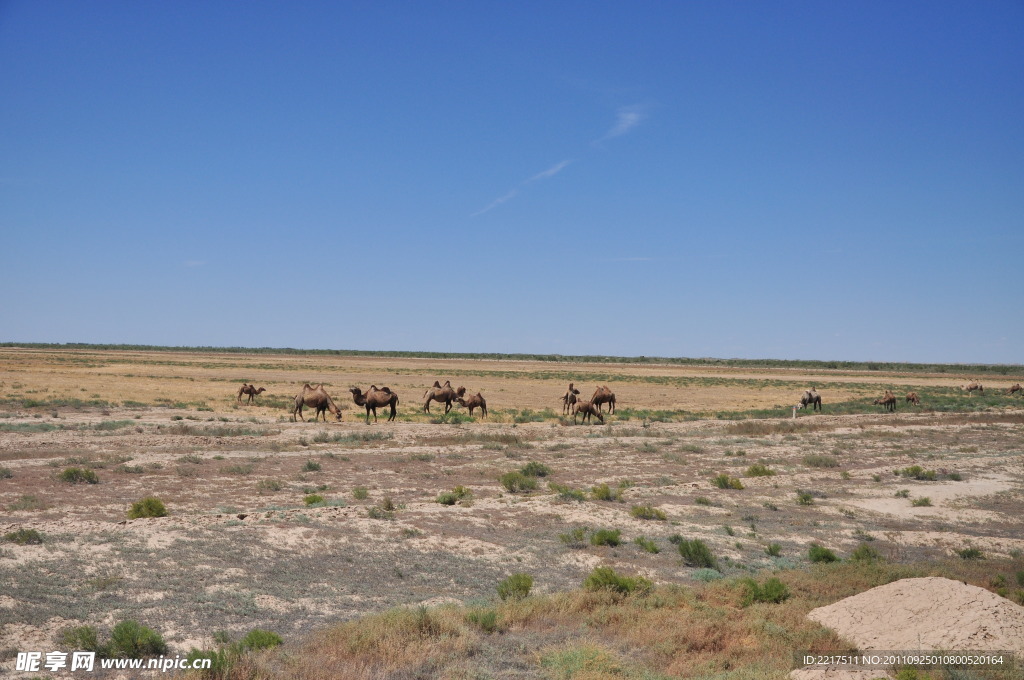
[251, 391]
[568, 399]
[375, 398]
[912, 398]
[587, 408]
[1015, 388]
[603, 395]
[315, 397]
[473, 401]
[443, 393]
[811, 397]
[888, 401]
[974, 385]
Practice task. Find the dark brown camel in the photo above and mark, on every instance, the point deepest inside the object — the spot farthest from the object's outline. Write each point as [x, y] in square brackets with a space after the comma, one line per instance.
[912, 398]
[251, 391]
[315, 397]
[587, 408]
[888, 401]
[568, 399]
[1015, 388]
[811, 397]
[443, 393]
[375, 398]
[473, 401]
[603, 395]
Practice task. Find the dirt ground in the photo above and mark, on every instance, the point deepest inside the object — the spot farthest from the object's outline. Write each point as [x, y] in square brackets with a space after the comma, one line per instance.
[241, 549]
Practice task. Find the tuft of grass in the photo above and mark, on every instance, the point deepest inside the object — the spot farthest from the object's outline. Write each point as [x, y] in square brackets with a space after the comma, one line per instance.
[150, 506]
[535, 469]
[970, 554]
[27, 502]
[75, 475]
[515, 482]
[922, 502]
[485, 619]
[24, 536]
[865, 553]
[647, 512]
[696, 553]
[360, 493]
[313, 499]
[131, 640]
[903, 493]
[269, 485]
[647, 544]
[773, 550]
[819, 553]
[759, 470]
[820, 461]
[575, 538]
[452, 497]
[605, 578]
[515, 587]
[312, 466]
[702, 500]
[917, 472]
[612, 537]
[804, 498]
[772, 591]
[5, 473]
[724, 481]
[566, 493]
[603, 492]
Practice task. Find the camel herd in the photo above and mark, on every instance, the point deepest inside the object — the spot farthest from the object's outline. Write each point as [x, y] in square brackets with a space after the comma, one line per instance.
[381, 397]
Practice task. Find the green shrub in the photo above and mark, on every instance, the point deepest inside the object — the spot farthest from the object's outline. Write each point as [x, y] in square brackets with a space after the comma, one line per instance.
[515, 587]
[375, 512]
[260, 639]
[74, 475]
[312, 466]
[535, 469]
[917, 472]
[759, 470]
[772, 591]
[24, 537]
[129, 639]
[696, 553]
[702, 500]
[603, 492]
[81, 638]
[970, 554]
[566, 493]
[647, 512]
[818, 553]
[612, 537]
[922, 502]
[865, 553]
[517, 481]
[313, 499]
[773, 550]
[360, 493]
[903, 493]
[485, 619]
[454, 496]
[5, 473]
[724, 481]
[605, 578]
[647, 544]
[804, 498]
[150, 506]
[574, 538]
[820, 461]
[269, 485]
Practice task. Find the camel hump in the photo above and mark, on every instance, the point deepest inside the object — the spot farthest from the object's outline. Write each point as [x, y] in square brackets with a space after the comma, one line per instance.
[447, 383]
[386, 389]
[437, 384]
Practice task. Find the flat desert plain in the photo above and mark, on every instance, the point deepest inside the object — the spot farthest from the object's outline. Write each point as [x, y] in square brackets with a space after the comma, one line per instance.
[246, 544]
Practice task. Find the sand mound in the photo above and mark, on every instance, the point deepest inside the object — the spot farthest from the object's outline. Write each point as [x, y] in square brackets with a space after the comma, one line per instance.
[926, 614]
[920, 614]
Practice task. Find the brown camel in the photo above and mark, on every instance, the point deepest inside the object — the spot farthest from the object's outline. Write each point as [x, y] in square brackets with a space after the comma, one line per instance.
[568, 399]
[251, 391]
[603, 395]
[888, 401]
[1015, 388]
[587, 408]
[974, 385]
[443, 393]
[473, 401]
[811, 397]
[912, 398]
[315, 397]
[375, 397]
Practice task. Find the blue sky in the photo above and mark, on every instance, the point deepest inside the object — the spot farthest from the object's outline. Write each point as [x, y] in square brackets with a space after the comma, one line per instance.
[798, 180]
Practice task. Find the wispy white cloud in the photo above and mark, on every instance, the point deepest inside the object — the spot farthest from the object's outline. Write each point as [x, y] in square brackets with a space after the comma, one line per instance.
[546, 174]
[626, 118]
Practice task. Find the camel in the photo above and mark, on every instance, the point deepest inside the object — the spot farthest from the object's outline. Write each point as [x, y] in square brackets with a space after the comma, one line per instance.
[603, 395]
[912, 398]
[473, 401]
[1015, 388]
[568, 399]
[888, 401]
[811, 397]
[443, 393]
[375, 397]
[315, 397]
[974, 385]
[251, 391]
[587, 408]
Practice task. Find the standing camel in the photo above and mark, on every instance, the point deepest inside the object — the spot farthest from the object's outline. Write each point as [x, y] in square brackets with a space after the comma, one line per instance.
[251, 391]
[474, 401]
[375, 397]
[568, 399]
[603, 395]
[811, 397]
[974, 385]
[315, 397]
[888, 401]
[443, 393]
